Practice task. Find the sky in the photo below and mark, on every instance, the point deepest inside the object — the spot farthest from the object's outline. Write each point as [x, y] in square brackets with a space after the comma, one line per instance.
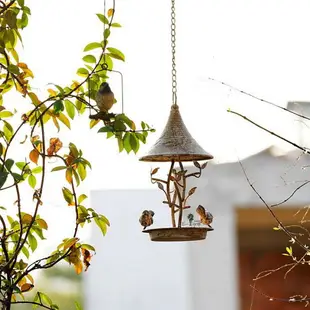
[259, 46]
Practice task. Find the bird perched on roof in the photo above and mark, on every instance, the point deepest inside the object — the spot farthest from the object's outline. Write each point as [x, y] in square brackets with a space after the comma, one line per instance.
[146, 219]
[206, 218]
[104, 98]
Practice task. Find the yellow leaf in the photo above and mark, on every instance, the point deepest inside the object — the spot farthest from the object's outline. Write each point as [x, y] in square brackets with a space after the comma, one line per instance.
[110, 12]
[78, 267]
[26, 287]
[22, 65]
[13, 298]
[69, 243]
[30, 278]
[56, 123]
[42, 223]
[93, 123]
[69, 175]
[22, 282]
[26, 219]
[34, 98]
[64, 119]
[28, 72]
[52, 92]
[34, 156]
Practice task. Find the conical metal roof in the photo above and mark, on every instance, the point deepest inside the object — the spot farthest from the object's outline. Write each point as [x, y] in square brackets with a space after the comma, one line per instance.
[176, 143]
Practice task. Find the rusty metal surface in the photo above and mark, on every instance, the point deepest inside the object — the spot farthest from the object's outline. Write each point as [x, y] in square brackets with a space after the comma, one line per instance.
[178, 234]
[176, 143]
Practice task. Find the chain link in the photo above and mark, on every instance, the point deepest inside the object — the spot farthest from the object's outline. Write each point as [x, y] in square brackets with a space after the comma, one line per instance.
[173, 50]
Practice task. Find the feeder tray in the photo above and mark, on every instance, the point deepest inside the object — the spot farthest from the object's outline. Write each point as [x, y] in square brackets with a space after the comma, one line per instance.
[178, 234]
[176, 143]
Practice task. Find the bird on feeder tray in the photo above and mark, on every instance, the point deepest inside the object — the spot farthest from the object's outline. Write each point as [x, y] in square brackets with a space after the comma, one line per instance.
[206, 218]
[104, 98]
[146, 219]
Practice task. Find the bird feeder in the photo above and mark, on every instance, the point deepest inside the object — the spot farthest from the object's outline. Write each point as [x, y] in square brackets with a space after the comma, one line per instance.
[176, 146]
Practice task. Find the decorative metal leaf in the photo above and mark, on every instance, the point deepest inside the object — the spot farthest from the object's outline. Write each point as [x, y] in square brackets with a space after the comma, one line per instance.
[160, 186]
[154, 171]
[192, 191]
[204, 165]
[196, 164]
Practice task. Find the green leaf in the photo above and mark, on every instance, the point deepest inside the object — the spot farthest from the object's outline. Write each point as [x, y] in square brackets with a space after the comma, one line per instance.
[3, 177]
[92, 46]
[76, 176]
[106, 33]
[59, 168]
[120, 144]
[104, 219]
[21, 3]
[90, 59]
[102, 225]
[115, 53]
[82, 197]
[36, 170]
[106, 129]
[39, 232]
[83, 72]
[32, 181]
[134, 143]
[116, 25]
[82, 171]
[141, 137]
[289, 250]
[74, 150]
[70, 108]
[25, 251]
[22, 165]
[119, 125]
[127, 144]
[13, 69]
[103, 19]
[45, 299]
[58, 106]
[9, 163]
[67, 195]
[17, 177]
[32, 242]
[5, 114]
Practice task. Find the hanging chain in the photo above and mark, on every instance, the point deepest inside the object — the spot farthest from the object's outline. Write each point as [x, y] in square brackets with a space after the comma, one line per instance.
[173, 49]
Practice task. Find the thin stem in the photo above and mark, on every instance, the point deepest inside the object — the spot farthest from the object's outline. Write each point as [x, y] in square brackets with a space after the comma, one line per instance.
[260, 99]
[182, 195]
[272, 133]
[168, 194]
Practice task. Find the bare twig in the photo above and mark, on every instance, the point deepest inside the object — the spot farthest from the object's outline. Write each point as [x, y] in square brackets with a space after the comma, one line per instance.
[305, 150]
[260, 99]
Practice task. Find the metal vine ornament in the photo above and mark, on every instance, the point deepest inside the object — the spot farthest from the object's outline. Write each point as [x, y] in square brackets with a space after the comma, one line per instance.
[176, 145]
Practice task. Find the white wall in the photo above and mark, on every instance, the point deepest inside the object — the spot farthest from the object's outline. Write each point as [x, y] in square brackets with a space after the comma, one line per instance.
[129, 271]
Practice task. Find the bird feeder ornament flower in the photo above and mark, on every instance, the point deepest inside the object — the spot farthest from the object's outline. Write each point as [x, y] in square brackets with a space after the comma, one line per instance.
[176, 145]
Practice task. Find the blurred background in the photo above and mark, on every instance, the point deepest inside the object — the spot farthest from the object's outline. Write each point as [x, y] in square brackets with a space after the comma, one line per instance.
[258, 46]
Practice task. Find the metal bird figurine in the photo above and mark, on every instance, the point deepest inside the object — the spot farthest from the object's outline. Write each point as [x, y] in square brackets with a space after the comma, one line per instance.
[206, 218]
[104, 98]
[146, 219]
[190, 218]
